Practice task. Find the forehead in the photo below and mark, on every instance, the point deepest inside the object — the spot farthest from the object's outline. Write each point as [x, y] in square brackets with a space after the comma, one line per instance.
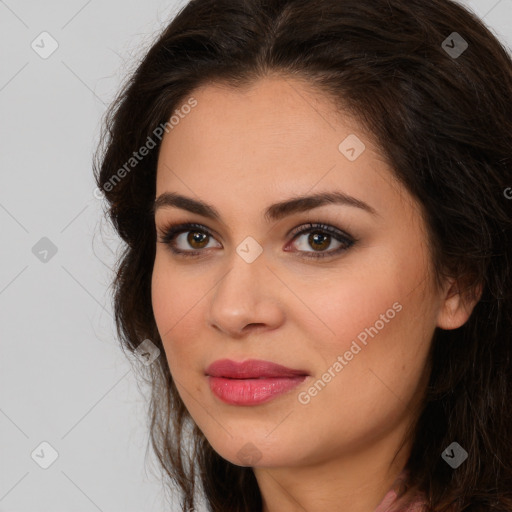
[277, 137]
[281, 113]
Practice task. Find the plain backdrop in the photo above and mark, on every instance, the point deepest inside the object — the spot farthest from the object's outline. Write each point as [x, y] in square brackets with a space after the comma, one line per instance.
[68, 396]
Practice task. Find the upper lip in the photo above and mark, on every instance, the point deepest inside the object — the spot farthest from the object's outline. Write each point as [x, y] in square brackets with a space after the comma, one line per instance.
[250, 369]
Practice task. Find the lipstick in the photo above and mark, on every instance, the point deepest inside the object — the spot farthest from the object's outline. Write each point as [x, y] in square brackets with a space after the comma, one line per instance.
[251, 382]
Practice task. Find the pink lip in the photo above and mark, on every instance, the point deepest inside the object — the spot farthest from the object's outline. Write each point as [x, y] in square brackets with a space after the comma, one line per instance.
[251, 382]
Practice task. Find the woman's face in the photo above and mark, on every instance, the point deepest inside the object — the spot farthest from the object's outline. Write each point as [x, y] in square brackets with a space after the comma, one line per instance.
[357, 321]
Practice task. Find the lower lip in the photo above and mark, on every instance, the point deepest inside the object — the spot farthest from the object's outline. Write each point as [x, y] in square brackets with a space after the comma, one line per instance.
[252, 391]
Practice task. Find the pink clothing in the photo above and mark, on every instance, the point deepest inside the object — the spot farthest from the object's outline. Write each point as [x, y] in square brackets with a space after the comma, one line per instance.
[390, 497]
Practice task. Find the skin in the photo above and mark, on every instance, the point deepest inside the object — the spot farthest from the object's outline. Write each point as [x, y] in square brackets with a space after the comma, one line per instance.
[240, 151]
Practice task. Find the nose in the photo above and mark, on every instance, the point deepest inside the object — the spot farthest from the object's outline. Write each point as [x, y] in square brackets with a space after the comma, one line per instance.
[246, 299]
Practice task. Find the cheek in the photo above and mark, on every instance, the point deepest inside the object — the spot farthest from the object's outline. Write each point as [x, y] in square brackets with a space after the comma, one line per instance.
[345, 309]
[178, 310]
[379, 324]
[382, 333]
[161, 300]
[381, 299]
[168, 299]
[172, 294]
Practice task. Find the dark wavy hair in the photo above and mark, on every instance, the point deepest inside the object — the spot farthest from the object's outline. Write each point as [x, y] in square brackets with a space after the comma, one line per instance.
[443, 121]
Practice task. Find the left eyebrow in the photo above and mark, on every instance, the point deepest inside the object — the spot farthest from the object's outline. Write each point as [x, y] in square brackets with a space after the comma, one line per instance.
[274, 212]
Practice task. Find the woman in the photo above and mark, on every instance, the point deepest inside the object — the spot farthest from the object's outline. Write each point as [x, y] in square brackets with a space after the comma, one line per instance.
[315, 198]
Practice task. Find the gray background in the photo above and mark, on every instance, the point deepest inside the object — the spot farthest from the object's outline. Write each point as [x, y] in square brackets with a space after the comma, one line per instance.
[63, 378]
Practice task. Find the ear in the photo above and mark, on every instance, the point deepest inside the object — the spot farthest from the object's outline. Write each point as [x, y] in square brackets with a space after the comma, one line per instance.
[457, 304]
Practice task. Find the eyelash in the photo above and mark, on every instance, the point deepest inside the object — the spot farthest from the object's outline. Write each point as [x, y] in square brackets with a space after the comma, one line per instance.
[171, 231]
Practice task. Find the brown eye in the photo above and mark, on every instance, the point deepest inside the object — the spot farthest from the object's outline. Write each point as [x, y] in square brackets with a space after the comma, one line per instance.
[320, 238]
[319, 241]
[197, 237]
[193, 238]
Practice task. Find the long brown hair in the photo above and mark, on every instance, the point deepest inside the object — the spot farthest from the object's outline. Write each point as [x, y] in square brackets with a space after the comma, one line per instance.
[440, 107]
